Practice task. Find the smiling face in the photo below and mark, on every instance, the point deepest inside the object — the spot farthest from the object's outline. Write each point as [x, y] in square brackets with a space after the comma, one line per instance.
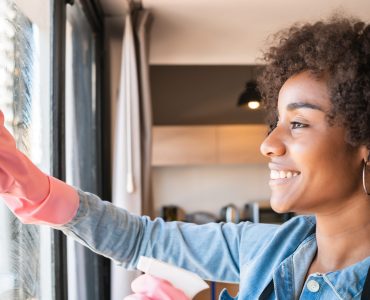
[313, 168]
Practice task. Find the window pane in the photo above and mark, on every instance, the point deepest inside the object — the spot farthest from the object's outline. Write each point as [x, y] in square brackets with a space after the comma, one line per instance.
[25, 101]
[81, 154]
[81, 142]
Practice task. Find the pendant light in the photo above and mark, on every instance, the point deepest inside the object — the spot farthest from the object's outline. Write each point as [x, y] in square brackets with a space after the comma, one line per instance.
[251, 97]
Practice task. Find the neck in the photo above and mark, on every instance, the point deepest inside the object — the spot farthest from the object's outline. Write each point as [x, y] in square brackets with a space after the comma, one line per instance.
[343, 236]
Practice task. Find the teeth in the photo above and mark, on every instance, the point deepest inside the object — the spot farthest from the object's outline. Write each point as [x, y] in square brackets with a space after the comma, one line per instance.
[274, 174]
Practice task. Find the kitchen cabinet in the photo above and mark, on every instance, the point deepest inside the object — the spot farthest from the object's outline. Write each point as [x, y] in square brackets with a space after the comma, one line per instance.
[240, 143]
[213, 144]
[182, 145]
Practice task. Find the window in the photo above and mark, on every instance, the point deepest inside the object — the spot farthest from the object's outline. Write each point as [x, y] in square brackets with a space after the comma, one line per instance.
[82, 142]
[26, 251]
[32, 258]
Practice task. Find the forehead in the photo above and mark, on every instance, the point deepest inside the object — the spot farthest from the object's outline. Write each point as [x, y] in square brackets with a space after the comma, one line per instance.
[307, 88]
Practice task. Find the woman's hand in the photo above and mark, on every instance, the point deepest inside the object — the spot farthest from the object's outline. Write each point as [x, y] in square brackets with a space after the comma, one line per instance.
[30, 194]
[147, 287]
[19, 177]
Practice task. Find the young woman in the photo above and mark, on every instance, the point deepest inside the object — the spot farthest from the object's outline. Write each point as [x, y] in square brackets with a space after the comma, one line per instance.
[316, 86]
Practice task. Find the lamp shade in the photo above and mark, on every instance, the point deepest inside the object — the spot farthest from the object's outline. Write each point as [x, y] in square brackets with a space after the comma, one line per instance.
[251, 97]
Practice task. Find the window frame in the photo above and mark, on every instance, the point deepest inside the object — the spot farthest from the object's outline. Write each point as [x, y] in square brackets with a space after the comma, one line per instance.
[94, 15]
[58, 20]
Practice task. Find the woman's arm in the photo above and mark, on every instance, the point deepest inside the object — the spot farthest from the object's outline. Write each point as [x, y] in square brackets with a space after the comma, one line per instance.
[211, 250]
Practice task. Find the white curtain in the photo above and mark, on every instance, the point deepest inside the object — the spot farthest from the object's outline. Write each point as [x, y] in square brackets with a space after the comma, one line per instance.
[132, 136]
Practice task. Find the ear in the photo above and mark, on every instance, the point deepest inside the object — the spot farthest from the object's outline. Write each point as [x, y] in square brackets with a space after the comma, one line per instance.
[365, 153]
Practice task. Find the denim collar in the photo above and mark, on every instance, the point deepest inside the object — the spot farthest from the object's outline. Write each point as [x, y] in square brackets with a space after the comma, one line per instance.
[346, 283]
[349, 281]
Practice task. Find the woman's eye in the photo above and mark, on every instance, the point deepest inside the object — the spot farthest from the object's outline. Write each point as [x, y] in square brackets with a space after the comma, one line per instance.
[296, 125]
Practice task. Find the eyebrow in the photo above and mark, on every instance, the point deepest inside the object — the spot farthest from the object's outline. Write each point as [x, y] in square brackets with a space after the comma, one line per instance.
[297, 105]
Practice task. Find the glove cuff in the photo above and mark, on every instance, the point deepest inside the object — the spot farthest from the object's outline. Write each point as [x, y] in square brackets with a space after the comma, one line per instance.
[58, 208]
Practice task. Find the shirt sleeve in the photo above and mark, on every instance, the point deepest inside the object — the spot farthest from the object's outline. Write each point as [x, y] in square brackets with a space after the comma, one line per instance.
[211, 250]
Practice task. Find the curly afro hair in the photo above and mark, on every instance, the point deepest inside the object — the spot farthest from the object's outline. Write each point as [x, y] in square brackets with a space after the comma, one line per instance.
[339, 48]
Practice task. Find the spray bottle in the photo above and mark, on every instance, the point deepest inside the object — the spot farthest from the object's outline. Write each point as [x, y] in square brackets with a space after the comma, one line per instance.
[186, 281]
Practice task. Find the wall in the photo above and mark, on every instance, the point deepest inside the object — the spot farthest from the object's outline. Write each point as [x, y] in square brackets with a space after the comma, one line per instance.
[209, 188]
[212, 32]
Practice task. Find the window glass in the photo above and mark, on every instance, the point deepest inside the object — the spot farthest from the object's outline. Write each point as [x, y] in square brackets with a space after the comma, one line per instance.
[26, 250]
[81, 142]
[81, 133]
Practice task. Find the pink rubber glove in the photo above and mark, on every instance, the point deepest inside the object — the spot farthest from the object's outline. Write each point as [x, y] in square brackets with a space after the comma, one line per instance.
[31, 195]
[147, 287]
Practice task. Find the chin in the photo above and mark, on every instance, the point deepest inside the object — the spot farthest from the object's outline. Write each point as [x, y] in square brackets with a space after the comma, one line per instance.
[280, 206]
[280, 210]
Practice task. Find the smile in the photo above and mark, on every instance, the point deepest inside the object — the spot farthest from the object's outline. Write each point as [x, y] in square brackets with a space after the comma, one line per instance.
[279, 174]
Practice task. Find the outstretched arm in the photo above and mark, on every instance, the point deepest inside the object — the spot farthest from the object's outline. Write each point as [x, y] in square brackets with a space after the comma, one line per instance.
[36, 198]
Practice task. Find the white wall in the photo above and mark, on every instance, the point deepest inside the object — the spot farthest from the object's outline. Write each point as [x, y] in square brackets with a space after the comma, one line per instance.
[227, 32]
[231, 32]
[209, 188]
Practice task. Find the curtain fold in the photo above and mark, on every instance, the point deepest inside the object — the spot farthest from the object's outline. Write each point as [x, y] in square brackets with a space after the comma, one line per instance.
[132, 136]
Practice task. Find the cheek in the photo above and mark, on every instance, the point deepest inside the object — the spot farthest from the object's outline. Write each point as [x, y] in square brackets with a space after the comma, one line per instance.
[317, 163]
[309, 155]
[328, 166]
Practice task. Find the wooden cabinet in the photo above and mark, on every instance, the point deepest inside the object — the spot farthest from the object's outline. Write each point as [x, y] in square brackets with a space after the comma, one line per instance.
[183, 145]
[219, 144]
[240, 143]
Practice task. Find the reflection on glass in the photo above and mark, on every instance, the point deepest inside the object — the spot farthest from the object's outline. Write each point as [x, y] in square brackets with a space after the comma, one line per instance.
[80, 101]
[23, 274]
[81, 142]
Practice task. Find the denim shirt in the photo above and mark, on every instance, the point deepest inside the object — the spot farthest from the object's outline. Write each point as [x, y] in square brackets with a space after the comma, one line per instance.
[245, 253]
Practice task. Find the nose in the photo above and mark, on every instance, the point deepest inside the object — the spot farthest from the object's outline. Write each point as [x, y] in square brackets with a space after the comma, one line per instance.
[273, 144]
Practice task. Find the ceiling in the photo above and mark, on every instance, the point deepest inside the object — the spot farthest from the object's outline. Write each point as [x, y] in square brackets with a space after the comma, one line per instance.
[225, 32]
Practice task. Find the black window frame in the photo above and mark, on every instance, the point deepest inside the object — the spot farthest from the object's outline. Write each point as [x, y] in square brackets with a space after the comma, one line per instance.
[94, 15]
